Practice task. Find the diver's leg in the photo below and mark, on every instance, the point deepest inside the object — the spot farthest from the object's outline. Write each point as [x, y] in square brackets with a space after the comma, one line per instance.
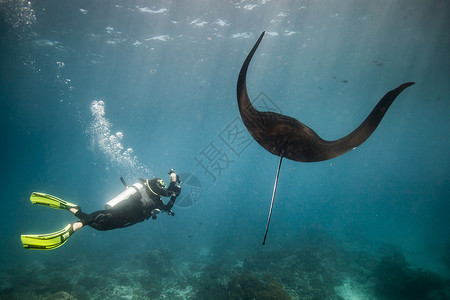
[77, 225]
[100, 220]
[97, 220]
[79, 214]
[74, 210]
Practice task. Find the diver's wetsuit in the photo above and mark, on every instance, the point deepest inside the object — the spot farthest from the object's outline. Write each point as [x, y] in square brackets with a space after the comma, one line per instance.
[133, 210]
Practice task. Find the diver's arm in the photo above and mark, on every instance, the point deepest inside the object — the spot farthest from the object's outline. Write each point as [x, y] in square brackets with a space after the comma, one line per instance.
[166, 193]
[171, 202]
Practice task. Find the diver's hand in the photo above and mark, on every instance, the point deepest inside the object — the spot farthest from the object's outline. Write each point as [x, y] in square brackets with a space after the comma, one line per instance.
[170, 213]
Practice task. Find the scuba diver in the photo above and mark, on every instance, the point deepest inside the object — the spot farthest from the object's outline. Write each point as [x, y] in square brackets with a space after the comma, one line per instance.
[137, 203]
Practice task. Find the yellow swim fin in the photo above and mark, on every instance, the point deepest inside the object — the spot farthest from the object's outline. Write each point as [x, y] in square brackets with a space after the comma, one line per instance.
[47, 241]
[51, 201]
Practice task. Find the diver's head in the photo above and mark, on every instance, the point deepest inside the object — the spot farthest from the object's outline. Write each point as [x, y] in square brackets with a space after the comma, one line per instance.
[156, 185]
[160, 183]
[171, 171]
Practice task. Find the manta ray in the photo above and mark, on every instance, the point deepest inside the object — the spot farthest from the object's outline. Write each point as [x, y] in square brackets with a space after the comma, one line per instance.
[289, 138]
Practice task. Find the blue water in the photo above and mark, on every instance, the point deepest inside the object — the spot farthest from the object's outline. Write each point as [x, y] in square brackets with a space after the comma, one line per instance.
[165, 73]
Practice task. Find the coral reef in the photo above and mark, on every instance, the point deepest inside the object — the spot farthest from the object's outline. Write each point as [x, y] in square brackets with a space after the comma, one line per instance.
[60, 296]
[446, 256]
[396, 280]
[246, 286]
[314, 266]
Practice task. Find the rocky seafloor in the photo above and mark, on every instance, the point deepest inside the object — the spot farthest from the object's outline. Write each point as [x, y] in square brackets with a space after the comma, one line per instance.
[318, 267]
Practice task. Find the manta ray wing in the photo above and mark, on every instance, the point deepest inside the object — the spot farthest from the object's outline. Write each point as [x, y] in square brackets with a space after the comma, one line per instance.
[287, 137]
[284, 136]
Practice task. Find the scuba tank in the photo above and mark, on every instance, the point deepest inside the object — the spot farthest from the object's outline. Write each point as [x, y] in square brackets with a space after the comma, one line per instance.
[129, 192]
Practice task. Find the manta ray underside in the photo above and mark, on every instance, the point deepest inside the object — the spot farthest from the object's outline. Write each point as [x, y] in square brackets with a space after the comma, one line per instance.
[287, 137]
